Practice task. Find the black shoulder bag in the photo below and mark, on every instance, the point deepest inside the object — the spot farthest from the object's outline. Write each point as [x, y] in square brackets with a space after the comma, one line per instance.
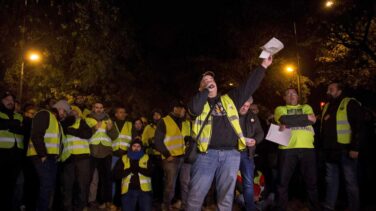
[191, 150]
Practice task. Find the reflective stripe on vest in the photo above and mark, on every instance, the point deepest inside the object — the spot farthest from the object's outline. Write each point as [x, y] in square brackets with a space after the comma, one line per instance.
[174, 140]
[145, 182]
[74, 145]
[233, 117]
[9, 139]
[343, 125]
[100, 136]
[125, 137]
[51, 137]
[148, 139]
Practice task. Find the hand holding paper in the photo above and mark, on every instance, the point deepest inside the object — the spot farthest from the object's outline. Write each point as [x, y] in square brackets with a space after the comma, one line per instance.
[277, 136]
[270, 48]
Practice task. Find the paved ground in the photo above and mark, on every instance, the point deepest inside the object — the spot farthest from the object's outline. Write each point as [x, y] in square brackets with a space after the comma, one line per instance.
[294, 205]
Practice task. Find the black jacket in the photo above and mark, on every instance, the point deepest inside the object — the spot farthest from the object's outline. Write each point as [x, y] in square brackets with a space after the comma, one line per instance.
[223, 135]
[251, 128]
[160, 134]
[119, 172]
[328, 133]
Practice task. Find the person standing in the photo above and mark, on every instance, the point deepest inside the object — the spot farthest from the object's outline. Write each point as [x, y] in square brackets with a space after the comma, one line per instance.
[80, 102]
[124, 128]
[30, 174]
[44, 149]
[135, 169]
[299, 152]
[340, 133]
[169, 141]
[120, 147]
[185, 171]
[11, 149]
[254, 134]
[221, 138]
[101, 154]
[76, 163]
[155, 156]
[138, 128]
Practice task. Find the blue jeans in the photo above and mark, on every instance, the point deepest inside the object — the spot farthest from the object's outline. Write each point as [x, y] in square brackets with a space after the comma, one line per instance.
[185, 176]
[221, 165]
[349, 170]
[46, 171]
[247, 167]
[130, 200]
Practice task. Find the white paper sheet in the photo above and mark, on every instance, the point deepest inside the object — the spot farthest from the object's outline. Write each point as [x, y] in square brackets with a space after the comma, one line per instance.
[270, 48]
[279, 137]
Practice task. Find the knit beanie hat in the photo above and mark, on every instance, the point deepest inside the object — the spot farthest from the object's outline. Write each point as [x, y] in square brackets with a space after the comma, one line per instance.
[136, 141]
[63, 104]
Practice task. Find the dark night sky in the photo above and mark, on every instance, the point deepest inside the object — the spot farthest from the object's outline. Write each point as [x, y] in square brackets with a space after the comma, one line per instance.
[171, 33]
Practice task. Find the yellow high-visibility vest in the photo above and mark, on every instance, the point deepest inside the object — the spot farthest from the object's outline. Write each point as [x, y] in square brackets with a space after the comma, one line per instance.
[301, 137]
[9, 139]
[174, 137]
[124, 139]
[52, 137]
[145, 182]
[233, 117]
[148, 136]
[100, 136]
[85, 112]
[343, 125]
[73, 145]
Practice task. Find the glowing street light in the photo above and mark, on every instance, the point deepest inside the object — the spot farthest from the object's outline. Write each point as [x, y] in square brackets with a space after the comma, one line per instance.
[291, 69]
[32, 56]
[329, 3]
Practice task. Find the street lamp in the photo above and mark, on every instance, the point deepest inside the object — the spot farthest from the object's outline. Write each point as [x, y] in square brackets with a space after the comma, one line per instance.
[31, 56]
[329, 4]
[291, 69]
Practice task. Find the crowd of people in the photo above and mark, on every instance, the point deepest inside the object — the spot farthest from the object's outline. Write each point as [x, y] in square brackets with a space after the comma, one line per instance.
[69, 157]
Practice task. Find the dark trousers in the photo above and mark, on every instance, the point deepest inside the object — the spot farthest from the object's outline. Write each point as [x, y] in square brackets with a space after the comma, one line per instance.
[10, 165]
[31, 185]
[46, 171]
[171, 172]
[75, 183]
[157, 178]
[289, 160]
[133, 197]
[103, 166]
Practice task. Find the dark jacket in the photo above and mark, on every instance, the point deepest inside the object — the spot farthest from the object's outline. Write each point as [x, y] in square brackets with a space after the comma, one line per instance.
[160, 134]
[119, 172]
[251, 128]
[40, 123]
[223, 135]
[331, 147]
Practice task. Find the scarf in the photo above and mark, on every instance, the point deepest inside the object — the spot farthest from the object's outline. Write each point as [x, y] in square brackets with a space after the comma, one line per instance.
[135, 155]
